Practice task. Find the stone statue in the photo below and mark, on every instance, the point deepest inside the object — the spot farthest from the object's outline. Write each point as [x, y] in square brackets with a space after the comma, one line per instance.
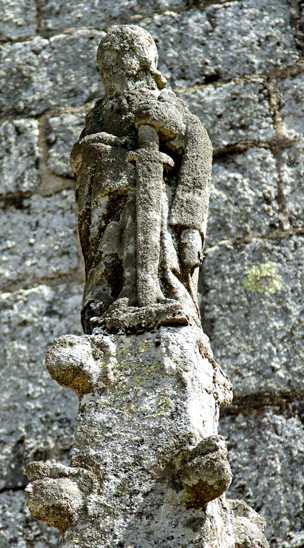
[143, 167]
[148, 467]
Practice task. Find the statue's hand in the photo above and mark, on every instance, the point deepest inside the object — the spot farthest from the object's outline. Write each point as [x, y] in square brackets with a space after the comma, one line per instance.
[191, 252]
[164, 116]
[100, 138]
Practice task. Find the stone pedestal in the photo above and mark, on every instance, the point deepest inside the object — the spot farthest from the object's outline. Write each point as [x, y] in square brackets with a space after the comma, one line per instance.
[148, 468]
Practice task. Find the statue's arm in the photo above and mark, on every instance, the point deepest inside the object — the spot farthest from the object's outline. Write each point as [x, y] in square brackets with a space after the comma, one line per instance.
[90, 144]
[164, 116]
[184, 133]
[101, 137]
[190, 206]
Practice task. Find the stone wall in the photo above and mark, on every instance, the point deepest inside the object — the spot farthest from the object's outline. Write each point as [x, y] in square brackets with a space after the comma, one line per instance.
[238, 64]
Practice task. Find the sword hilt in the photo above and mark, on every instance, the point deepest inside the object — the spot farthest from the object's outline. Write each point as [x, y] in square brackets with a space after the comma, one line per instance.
[148, 137]
[148, 148]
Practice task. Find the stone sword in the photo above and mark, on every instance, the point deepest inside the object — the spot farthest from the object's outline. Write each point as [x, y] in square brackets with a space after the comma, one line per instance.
[150, 164]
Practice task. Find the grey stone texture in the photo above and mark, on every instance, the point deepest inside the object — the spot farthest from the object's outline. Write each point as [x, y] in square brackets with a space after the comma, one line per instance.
[59, 15]
[223, 41]
[38, 245]
[291, 104]
[141, 223]
[144, 463]
[219, 55]
[243, 197]
[252, 305]
[18, 19]
[42, 74]
[292, 176]
[37, 417]
[18, 529]
[233, 112]
[146, 436]
[266, 450]
[61, 133]
[19, 155]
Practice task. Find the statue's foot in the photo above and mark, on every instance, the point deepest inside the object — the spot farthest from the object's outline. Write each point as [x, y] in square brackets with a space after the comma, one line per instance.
[164, 300]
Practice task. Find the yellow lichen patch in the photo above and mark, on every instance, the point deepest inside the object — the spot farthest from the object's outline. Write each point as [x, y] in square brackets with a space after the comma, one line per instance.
[123, 351]
[263, 278]
[163, 404]
[144, 346]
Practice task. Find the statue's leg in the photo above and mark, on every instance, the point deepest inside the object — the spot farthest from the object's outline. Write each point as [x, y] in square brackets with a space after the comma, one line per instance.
[128, 239]
[148, 220]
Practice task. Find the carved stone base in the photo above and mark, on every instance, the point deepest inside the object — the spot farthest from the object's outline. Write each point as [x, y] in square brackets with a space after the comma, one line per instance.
[148, 469]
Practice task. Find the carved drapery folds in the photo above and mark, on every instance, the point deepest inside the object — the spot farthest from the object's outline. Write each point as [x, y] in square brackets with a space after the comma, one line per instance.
[143, 167]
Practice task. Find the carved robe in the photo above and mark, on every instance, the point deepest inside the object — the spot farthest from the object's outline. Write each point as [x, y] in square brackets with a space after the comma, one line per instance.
[106, 192]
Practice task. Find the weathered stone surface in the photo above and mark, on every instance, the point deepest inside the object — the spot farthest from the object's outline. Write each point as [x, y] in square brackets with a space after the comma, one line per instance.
[242, 42]
[233, 112]
[141, 223]
[19, 529]
[61, 133]
[42, 74]
[37, 417]
[292, 176]
[59, 15]
[19, 153]
[243, 197]
[38, 240]
[292, 104]
[266, 451]
[146, 436]
[223, 41]
[18, 19]
[252, 310]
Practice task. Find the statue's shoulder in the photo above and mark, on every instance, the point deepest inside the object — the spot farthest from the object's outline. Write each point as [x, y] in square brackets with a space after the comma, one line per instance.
[193, 123]
[168, 96]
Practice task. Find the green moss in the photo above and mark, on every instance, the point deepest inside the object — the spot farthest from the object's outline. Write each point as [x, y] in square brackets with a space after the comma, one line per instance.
[122, 488]
[104, 402]
[107, 45]
[263, 279]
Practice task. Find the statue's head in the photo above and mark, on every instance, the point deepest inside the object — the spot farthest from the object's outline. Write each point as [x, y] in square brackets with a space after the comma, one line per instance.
[131, 51]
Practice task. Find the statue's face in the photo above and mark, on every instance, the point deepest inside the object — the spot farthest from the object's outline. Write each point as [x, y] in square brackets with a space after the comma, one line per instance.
[126, 50]
[114, 61]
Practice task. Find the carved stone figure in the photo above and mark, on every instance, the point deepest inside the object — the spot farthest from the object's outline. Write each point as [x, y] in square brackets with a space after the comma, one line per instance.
[148, 467]
[143, 167]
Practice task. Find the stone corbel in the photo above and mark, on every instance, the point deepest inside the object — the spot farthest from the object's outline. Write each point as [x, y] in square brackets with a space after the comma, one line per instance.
[203, 472]
[57, 493]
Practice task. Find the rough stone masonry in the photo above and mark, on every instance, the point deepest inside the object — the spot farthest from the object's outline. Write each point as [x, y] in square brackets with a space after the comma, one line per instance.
[148, 467]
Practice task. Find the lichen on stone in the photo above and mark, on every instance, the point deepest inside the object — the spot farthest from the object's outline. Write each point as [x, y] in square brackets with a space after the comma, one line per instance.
[263, 278]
